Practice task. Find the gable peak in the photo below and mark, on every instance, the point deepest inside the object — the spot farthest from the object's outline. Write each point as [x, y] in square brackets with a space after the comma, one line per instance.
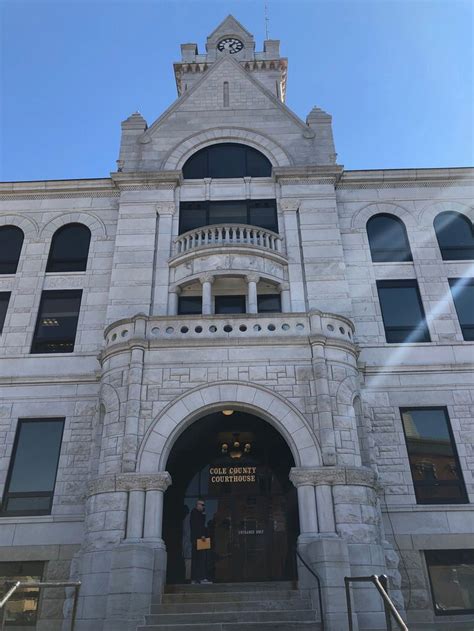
[229, 26]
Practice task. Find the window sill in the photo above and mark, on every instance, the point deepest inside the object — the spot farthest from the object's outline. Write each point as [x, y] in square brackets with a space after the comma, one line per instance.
[66, 273]
[36, 519]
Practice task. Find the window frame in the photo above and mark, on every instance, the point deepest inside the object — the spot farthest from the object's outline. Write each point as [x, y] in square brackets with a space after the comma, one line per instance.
[83, 261]
[24, 590]
[205, 206]
[400, 283]
[447, 249]
[377, 252]
[437, 611]
[260, 297]
[206, 151]
[184, 298]
[44, 295]
[13, 262]
[416, 483]
[242, 300]
[2, 319]
[463, 327]
[7, 495]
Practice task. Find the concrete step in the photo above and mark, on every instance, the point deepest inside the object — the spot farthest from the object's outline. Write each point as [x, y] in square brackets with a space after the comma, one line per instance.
[236, 626]
[302, 615]
[236, 605]
[264, 586]
[208, 595]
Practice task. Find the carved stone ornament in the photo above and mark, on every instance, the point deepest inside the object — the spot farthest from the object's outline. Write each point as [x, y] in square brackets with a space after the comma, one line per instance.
[130, 482]
[359, 476]
[289, 204]
[252, 278]
[207, 278]
[165, 208]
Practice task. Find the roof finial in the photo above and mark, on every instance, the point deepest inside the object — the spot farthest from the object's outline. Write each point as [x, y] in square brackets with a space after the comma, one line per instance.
[267, 20]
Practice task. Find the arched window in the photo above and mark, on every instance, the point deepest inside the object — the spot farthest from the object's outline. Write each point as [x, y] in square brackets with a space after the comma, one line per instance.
[69, 249]
[11, 240]
[388, 239]
[455, 236]
[227, 160]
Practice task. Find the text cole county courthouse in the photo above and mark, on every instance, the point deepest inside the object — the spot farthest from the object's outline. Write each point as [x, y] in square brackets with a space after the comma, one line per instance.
[234, 317]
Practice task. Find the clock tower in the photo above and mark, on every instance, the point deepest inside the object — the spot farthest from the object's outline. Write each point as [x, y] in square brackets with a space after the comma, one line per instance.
[231, 38]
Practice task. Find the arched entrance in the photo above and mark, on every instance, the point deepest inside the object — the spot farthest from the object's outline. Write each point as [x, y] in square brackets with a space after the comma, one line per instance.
[239, 464]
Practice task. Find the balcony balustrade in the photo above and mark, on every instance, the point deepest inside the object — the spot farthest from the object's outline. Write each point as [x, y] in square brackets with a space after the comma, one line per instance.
[222, 235]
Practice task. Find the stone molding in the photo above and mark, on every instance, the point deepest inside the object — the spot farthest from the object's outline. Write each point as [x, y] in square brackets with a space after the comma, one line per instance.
[356, 476]
[252, 278]
[289, 204]
[130, 482]
[207, 278]
[165, 208]
[139, 180]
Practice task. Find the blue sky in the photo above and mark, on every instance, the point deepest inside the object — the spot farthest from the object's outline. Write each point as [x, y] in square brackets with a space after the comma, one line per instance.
[397, 76]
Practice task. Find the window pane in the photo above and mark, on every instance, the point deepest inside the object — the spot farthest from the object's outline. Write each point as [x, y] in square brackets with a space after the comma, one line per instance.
[21, 609]
[189, 305]
[455, 236]
[433, 460]
[57, 322]
[463, 296]
[34, 464]
[192, 215]
[263, 214]
[402, 311]
[269, 303]
[387, 239]
[196, 167]
[227, 212]
[69, 249]
[229, 304]
[226, 160]
[257, 164]
[4, 300]
[11, 241]
[452, 580]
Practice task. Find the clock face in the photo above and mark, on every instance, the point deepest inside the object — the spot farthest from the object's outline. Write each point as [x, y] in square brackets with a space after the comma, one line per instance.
[230, 44]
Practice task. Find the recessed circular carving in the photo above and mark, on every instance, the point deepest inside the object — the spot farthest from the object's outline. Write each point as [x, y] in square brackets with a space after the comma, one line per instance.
[170, 330]
[198, 329]
[155, 330]
[271, 327]
[257, 327]
[330, 327]
[184, 329]
[228, 328]
[124, 333]
[212, 329]
[114, 337]
[300, 326]
[242, 328]
[341, 330]
[285, 327]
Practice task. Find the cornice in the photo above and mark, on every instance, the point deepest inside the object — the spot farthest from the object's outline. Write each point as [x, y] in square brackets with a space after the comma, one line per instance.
[405, 178]
[130, 482]
[148, 180]
[43, 189]
[358, 476]
[314, 174]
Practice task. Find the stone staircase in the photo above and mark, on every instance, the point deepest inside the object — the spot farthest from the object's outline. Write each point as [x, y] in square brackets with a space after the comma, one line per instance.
[232, 607]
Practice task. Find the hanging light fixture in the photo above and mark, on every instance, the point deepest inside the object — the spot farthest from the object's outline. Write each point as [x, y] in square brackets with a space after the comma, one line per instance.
[227, 412]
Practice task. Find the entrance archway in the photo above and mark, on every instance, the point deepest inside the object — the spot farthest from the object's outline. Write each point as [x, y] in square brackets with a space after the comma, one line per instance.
[239, 464]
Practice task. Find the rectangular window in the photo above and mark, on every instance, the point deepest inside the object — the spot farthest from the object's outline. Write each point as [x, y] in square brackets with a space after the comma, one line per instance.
[402, 311]
[451, 575]
[57, 322]
[22, 608]
[434, 463]
[269, 303]
[32, 474]
[229, 304]
[189, 305]
[463, 296]
[4, 300]
[261, 213]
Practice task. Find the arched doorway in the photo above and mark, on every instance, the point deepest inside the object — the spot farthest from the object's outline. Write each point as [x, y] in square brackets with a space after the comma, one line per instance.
[239, 464]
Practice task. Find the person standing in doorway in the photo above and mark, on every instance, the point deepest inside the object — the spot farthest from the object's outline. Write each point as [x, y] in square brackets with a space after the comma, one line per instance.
[187, 543]
[197, 522]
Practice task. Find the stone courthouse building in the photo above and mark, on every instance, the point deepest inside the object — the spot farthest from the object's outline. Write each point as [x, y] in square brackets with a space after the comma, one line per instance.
[233, 316]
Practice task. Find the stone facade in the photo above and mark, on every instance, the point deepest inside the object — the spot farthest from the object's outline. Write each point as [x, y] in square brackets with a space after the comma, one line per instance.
[320, 372]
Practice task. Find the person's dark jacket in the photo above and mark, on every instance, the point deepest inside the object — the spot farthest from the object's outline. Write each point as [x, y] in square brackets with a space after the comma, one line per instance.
[197, 522]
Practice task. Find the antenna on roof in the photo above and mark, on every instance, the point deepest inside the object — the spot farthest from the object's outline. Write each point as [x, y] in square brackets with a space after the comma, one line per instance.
[267, 20]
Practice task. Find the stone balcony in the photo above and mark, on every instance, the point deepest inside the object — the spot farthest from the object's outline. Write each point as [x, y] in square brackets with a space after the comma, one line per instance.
[236, 329]
[222, 235]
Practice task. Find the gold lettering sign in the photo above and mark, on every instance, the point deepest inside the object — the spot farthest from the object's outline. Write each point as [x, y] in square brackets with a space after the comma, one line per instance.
[219, 475]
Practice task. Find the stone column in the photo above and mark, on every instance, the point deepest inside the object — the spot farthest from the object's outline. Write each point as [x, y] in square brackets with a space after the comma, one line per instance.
[252, 304]
[135, 374]
[285, 297]
[302, 479]
[156, 487]
[136, 510]
[325, 509]
[173, 299]
[290, 206]
[165, 212]
[206, 282]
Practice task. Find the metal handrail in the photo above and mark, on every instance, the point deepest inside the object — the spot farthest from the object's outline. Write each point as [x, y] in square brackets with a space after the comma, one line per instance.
[381, 584]
[318, 580]
[17, 584]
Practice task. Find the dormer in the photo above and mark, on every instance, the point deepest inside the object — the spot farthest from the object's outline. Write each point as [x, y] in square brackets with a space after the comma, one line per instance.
[231, 38]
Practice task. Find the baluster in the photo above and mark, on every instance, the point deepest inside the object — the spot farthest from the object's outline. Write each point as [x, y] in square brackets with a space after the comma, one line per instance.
[265, 240]
[219, 236]
[278, 244]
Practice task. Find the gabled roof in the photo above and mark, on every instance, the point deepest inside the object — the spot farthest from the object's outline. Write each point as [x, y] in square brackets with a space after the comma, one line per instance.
[227, 59]
[229, 25]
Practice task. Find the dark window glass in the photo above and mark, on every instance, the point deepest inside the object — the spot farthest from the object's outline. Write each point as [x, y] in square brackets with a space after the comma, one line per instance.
[69, 249]
[229, 304]
[451, 575]
[57, 322]
[21, 609]
[402, 311]
[189, 305]
[32, 474]
[463, 296]
[11, 241]
[4, 300]
[269, 303]
[260, 213]
[455, 236]
[227, 160]
[434, 464]
[388, 239]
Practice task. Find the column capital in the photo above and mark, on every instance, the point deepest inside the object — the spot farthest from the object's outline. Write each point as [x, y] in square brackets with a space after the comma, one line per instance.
[252, 278]
[284, 286]
[207, 278]
[289, 204]
[165, 209]
[175, 289]
[130, 482]
[315, 476]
